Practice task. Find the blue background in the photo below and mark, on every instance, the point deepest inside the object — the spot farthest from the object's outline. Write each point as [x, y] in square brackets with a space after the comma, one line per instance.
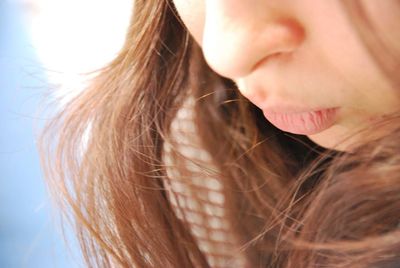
[29, 236]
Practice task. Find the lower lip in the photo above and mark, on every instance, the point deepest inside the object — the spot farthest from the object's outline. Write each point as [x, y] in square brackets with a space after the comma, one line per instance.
[304, 123]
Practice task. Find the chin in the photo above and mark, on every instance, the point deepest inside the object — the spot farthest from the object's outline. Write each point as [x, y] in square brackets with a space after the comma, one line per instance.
[346, 136]
[335, 138]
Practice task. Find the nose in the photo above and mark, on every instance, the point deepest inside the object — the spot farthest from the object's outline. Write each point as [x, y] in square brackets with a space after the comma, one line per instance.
[239, 34]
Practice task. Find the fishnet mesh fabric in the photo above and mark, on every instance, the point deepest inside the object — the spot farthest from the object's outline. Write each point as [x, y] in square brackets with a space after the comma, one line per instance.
[196, 193]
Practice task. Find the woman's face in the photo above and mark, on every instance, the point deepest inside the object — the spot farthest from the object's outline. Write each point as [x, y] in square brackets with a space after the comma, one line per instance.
[296, 58]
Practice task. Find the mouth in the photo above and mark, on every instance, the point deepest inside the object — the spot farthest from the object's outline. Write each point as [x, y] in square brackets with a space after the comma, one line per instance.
[303, 122]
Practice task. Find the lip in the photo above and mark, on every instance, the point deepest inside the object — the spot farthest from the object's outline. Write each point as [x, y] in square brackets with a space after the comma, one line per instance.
[301, 121]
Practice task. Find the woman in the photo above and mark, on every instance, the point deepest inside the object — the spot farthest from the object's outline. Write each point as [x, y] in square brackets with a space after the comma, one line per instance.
[238, 134]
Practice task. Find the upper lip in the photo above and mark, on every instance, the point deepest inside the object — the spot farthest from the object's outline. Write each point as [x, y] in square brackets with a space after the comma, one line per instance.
[288, 109]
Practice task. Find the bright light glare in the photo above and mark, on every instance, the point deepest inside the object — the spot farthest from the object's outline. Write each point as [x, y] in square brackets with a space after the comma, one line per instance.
[77, 36]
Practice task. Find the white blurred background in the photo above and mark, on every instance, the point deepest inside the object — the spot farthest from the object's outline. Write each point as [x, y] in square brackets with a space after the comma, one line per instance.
[72, 37]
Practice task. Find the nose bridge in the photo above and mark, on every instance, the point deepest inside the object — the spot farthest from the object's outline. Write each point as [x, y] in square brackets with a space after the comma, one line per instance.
[239, 33]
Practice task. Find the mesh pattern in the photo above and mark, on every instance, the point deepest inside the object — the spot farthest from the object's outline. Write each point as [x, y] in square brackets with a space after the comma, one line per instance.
[196, 193]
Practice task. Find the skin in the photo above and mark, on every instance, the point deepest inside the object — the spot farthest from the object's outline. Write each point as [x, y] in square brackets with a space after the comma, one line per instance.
[302, 52]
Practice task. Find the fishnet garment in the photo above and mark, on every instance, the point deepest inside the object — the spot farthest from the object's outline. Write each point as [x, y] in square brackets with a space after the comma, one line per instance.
[196, 193]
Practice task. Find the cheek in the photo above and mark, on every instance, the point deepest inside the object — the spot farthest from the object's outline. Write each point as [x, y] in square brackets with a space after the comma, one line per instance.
[192, 14]
[385, 18]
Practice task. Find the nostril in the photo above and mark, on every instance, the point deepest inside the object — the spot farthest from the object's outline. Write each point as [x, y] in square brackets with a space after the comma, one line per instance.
[280, 56]
[266, 59]
[280, 42]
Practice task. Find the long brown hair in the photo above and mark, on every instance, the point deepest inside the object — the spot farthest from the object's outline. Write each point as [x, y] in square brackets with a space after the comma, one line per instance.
[220, 187]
